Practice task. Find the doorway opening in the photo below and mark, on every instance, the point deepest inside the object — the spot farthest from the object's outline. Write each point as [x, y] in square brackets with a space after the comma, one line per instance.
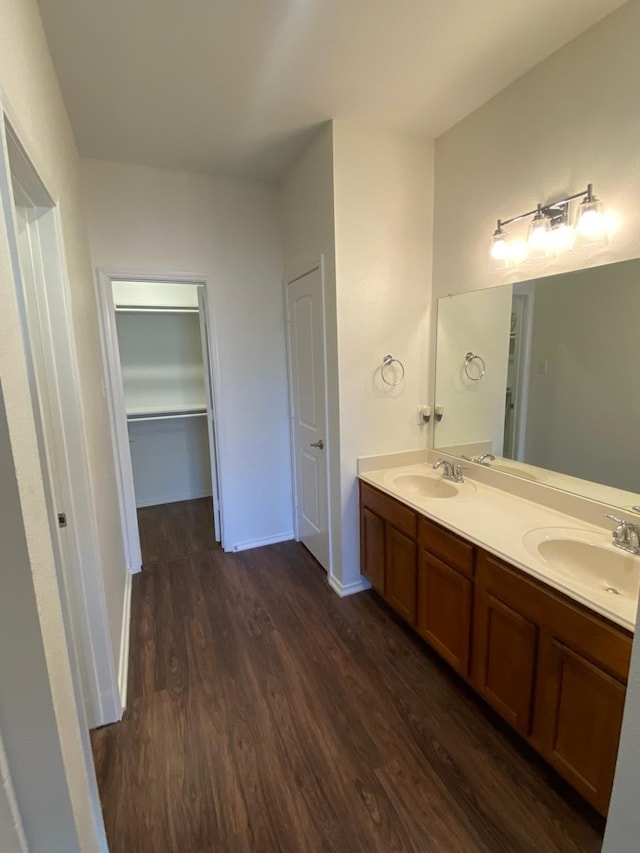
[159, 351]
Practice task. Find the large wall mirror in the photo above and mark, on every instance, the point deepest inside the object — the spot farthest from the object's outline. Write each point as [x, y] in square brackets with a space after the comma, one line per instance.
[544, 375]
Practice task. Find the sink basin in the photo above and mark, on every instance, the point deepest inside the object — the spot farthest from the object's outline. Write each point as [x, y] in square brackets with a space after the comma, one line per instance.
[586, 558]
[424, 484]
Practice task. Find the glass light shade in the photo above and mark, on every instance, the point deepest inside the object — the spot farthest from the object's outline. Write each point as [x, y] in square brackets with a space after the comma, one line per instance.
[500, 254]
[591, 227]
[562, 238]
[539, 238]
[519, 251]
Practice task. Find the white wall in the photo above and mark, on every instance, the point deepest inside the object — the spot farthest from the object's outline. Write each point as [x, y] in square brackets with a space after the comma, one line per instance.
[308, 234]
[32, 97]
[473, 411]
[160, 222]
[383, 186]
[573, 119]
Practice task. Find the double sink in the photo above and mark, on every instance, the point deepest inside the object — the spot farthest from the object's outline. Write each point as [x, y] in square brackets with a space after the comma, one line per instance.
[580, 557]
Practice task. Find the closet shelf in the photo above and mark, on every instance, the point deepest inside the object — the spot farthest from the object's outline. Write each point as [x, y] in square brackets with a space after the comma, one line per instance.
[153, 309]
[166, 414]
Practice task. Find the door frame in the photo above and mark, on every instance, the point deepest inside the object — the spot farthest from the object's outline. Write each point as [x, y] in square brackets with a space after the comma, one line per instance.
[115, 398]
[81, 584]
[319, 265]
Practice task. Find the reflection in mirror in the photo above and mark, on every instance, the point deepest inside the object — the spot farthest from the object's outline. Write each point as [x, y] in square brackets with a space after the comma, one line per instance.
[559, 401]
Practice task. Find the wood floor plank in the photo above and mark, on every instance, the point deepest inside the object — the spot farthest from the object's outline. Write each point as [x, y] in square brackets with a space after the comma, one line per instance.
[266, 714]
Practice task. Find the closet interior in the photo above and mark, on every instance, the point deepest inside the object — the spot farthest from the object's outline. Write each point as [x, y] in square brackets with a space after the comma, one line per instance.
[164, 363]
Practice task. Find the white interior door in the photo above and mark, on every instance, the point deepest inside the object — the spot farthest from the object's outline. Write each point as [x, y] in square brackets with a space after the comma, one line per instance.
[305, 321]
[208, 387]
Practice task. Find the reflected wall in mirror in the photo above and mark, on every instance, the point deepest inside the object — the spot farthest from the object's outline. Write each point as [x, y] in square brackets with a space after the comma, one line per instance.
[559, 402]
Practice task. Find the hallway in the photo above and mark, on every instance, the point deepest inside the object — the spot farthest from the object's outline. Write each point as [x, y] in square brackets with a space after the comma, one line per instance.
[265, 714]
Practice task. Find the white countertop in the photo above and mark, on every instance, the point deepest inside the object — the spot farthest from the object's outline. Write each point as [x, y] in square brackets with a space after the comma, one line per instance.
[497, 521]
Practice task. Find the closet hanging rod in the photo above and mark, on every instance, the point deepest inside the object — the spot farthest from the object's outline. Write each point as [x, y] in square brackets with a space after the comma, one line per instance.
[153, 309]
[166, 416]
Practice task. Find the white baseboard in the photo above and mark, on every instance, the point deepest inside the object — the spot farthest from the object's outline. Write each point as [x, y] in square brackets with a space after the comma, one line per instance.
[258, 543]
[171, 499]
[343, 590]
[123, 663]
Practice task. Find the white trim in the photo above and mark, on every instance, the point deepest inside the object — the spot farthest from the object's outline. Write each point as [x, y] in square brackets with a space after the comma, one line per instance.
[291, 412]
[285, 536]
[123, 663]
[118, 424]
[174, 498]
[343, 590]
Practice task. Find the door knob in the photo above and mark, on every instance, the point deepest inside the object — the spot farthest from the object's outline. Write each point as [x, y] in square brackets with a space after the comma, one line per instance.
[319, 443]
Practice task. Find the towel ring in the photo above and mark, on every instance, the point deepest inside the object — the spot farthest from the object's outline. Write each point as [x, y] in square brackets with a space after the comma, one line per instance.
[387, 361]
[468, 360]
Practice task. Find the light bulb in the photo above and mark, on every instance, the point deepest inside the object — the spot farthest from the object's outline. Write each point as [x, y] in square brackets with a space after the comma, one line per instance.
[519, 251]
[539, 238]
[591, 224]
[562, 238]
[499, 249]
[591, 229]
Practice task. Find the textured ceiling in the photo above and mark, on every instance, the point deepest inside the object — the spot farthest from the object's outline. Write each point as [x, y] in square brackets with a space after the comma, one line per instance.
[237, 87]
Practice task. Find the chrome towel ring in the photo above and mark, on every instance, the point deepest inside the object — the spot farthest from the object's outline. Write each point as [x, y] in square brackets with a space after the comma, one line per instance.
[478, 367]
[387, 363]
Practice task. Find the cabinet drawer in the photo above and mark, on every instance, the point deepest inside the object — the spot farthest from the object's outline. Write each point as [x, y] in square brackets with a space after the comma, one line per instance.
[400, 516]
[449, 547]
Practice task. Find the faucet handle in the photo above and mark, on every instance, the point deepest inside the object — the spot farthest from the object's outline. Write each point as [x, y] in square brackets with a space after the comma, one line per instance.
[615, 518]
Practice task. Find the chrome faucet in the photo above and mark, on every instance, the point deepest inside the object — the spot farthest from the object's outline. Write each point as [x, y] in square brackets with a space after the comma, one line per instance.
[451, 472]
[480, 459]
[626, 535]
[484, 456]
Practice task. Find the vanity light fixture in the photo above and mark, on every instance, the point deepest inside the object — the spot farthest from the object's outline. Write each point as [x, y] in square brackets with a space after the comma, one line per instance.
[551, 231]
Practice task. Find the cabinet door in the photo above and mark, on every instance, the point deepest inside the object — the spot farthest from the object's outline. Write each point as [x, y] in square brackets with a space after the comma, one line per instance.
[401, 573]
[444, 610]
[372, 548]
[580, 714]
[504, 658]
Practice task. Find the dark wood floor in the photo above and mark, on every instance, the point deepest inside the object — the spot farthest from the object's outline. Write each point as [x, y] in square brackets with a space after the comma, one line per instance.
[265, 714]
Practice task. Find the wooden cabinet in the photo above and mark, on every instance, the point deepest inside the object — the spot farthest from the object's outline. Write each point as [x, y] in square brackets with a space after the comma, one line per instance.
[401, 573]
[445, 592]
[372, 548]
[553, 669]
[580, 715]
[388, 549]
[504, 658]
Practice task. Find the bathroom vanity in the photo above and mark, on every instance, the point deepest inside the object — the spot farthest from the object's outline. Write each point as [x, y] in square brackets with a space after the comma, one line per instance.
[470, 568]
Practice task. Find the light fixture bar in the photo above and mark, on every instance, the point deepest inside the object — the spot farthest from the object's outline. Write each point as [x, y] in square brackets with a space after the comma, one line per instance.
[588, 194]
[550, 230]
